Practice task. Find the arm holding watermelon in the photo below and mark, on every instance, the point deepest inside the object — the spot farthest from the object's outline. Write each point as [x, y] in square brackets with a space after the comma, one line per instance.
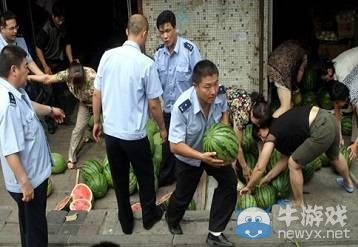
[280, 166]
[260, 167]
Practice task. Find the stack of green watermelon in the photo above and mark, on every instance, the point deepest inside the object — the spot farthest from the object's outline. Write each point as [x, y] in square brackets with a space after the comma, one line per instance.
[94, 177]
[246, 201]
[282, 184]
[310, 80]
[222, 139]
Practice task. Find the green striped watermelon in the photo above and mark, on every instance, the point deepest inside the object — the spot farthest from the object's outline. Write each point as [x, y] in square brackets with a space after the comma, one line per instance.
[282, 184]
[324, 99]
[221, 138]
[324, 160]
[275, 157]
[132, 182]
[346, 125]
[309, 170]
[265, 196]
[310, 79]
[59, 163]
[192, 205]
[98, 184]
[310, 98]
[297, 99]
[250, 160]
[344, 151]
[246, 201]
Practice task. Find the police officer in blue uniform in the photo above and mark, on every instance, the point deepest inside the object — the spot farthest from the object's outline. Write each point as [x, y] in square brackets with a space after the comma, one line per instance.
[24, 152]
[126, 86]
[175, 60]
[195, 110]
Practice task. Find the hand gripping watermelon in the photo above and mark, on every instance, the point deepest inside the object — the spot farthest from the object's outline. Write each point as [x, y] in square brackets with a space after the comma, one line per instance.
[221, 138]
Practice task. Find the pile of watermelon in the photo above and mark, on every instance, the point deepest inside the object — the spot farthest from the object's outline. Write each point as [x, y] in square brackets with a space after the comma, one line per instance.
[92, 172]
[221, 138]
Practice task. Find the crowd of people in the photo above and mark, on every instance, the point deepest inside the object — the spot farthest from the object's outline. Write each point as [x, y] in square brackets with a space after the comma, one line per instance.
[182, 93]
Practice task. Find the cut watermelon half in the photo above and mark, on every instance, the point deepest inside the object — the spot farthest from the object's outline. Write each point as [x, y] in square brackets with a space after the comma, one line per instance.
[81, 205]
[81, 191]
[63, 203]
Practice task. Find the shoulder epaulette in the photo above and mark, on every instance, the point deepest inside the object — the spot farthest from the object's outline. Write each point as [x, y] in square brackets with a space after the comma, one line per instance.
[188, 46]
[12, 98]
[184, 106]
[222, 89]
[160, 46]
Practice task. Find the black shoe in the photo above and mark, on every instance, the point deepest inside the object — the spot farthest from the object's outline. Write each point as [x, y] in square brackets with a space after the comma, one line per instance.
[149, 225]
[128, 229]
[220, 240]
[175, 230]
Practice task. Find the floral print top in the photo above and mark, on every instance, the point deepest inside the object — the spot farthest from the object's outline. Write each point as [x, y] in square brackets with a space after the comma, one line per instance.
[86, 92]
[284, 62]
[239, 102]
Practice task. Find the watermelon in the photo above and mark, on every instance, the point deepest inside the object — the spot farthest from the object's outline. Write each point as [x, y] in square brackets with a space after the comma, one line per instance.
[309, 170]
[344, 151]
[346, 125]
[192, 205]
[275, 157]
[59, 163]
[108, 175]
[221, 138]
[81, 191]
[282, 184]
[310, 98]
[324, 160]
[246, 201]
[98, 184]
[81, 205]
[63, 203]
[248, 143]
[310, 79]
[250, 160]
[132, 182]
[265, 196]
[49, 187]
[152, 129]
[297, 99]
[324, 99]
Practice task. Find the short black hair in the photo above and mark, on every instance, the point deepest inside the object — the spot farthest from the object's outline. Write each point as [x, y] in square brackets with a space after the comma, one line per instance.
[165, 17]
[8, 15]
[10, 55]
[204, 68]
[324, 66]
[58, 9]
[339, 91]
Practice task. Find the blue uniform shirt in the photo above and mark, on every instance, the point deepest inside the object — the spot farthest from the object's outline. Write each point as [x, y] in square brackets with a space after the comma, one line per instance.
[188, 123]
[126, 79]
[175, 69]
[19, 41]
[21, 132]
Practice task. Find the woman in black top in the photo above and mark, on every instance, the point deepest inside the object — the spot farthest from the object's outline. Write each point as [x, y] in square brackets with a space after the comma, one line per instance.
[300, 135]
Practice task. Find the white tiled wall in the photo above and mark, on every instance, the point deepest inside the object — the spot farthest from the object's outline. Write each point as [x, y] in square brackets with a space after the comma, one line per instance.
[226, 32]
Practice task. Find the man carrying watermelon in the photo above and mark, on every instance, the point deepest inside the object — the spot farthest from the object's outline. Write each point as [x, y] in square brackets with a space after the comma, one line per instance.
[24, 151]
[300, 135]
[198, 108]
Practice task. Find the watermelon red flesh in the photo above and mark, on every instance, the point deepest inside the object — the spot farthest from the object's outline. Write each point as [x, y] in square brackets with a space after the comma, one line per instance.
[81, 191]
[220, 138]
[81, 205]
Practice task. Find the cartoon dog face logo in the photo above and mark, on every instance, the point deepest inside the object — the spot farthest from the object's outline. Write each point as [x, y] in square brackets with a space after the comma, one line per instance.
[253, 223]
